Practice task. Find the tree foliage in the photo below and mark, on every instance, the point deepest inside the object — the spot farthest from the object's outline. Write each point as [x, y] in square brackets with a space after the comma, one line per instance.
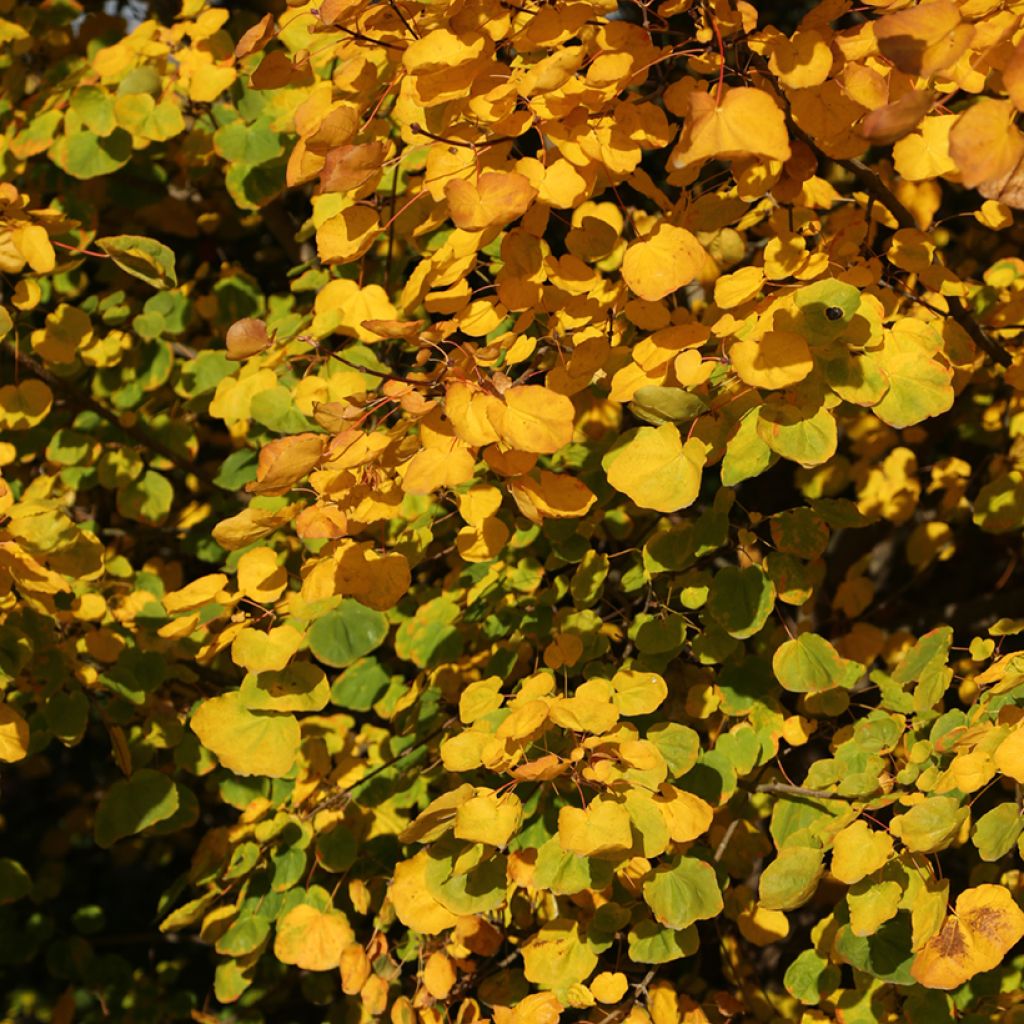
[510, 511]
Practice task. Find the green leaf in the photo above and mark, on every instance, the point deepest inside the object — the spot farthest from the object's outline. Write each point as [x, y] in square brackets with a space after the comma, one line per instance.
[997, 831]
[245, 934]
[791, 879]
[741, 600]
[336, 849]
[659, 405]
[15, 881]
[810, 978]
[465, 881]
[131, 805]
[145, 258]
[929, 652]
[299, 687]
[803, 434]
[557, 956]
[810, 664]
[930, 825]
[84, 155]
[251, 144]
[746, 454]
[999, 506]
[678, 744]
[360, 686]
[816, 303]
[348, 632]
[886, 955]
[565, 873]
[683, 893]
[650, 943]
[146, 500]
[919, 387]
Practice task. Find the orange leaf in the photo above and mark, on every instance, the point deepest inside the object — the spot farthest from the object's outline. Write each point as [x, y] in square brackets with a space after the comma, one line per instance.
[495, 200]
[984, 143]
[284, 462]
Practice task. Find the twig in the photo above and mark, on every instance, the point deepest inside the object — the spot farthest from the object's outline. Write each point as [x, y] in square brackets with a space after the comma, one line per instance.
[402, 19]
[721, 848]
[341, 797]
[639, 989]
[811, 794]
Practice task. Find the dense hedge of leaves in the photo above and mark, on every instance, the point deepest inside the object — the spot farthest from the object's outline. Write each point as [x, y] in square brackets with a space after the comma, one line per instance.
[511, 512]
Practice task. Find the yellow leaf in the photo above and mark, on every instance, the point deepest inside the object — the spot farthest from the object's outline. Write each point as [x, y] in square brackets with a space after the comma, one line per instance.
[196, 594]
[480, 699]
[260, 577]
[525, 720]
[489, 818]
[14, 735]
[924, 39]
[638, 693]
[1009, 755]
[551, 495]
[442, 50]
[686, 815]
[777, 359]
[539, 1008]
[346, 236]
[483, 542]
[746, 122]
[986, 925]
[414, 906]
[258, 651]
[656, 469]
[343, 307]
[801, 62]
[433, 468]
[247, 742]
[34, 244]
[924, 153]
[584, 714]
[250, 524]
[732, 290]
[312, 939]
[355, 968]
[470, 412]
[533, 419]
[24, 405]
[609, 987]
[858, 851]
[479, 503]
[663, 262]
[438, 975]
[600, 829]
[971, 770]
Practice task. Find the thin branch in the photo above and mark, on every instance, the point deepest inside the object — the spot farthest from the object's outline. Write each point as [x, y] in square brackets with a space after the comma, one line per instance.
[724, 844]
[785, 789]
[342, 796]
[402, 19]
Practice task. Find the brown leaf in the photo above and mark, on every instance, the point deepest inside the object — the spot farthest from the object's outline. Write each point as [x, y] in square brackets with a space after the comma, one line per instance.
[256, 37]
[894, 120]
[348, 167]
